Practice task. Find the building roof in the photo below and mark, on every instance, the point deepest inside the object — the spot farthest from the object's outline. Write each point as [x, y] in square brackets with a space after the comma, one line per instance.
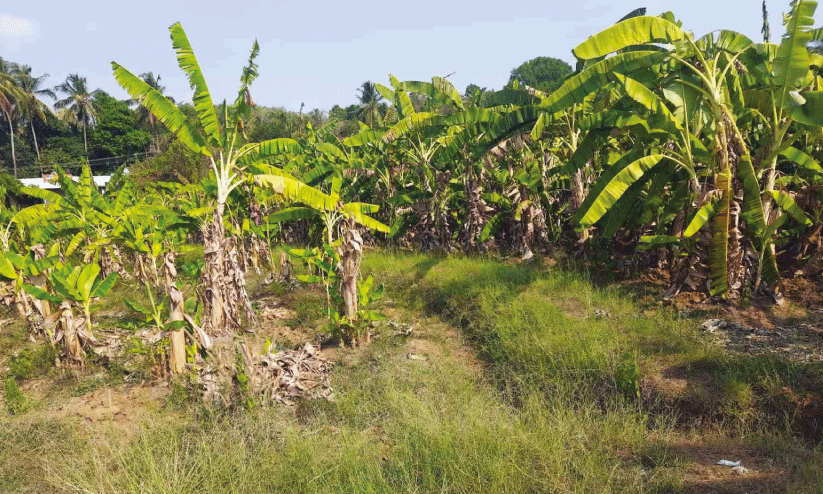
[99, 180]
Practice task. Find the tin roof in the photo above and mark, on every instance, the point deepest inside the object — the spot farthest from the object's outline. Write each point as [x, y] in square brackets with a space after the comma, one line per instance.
[99, 180]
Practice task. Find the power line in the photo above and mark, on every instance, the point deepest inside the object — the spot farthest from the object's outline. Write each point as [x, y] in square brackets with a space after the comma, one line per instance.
[93, 163]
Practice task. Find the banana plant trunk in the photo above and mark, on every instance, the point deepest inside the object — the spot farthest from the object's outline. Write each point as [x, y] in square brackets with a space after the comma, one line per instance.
[71, 338]
[771, 173]
[40, 280]
[351, 252]
[177, 338]
[214, 300]
[21, 302]
[578, 196]
[224, 296]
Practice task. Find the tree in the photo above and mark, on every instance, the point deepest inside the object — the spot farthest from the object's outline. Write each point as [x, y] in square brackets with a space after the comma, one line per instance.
[116, 132]
[224, 294]
[543, 73]
[10, 96]
[369, 99]
[30, 105]
[143, 114]
[78, 104]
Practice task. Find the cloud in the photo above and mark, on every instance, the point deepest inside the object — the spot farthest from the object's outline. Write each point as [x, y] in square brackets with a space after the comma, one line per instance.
[15, 31]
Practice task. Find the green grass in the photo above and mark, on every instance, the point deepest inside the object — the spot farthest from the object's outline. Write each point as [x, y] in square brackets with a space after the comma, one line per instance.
[545, 408]
[534, 326]
[32, 362]
[16, 402]
[549, 330]
[395, 426]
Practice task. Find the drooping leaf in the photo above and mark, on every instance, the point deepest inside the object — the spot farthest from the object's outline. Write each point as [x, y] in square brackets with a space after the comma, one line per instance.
[102, 288]
[615, 188]
[136, 307]
[787, 204]
[701, 218]
[6, 268]
[719, 247]
[294, 190]
[491, 227]
[164, 110]
[41, 294]
[292, 214]
[634, 31]
[654, 241]
[802, 159]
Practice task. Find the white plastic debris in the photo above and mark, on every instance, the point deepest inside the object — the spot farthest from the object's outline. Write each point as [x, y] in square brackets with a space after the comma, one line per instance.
[712, 325]
[729, 463]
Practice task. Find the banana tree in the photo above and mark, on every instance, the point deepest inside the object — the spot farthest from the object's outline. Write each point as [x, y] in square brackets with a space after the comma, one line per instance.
[349, 244]
[706, 74]
[224, 295]
[31, 267]
[781, 92]
[78, 285]
[84, 217]
[326, 264]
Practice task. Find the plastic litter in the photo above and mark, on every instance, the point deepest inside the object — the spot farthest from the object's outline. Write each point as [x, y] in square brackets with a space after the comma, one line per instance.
[712, 325]
[728, 463]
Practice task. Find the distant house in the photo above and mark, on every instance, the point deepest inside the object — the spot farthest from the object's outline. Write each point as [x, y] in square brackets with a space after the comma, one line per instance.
[48, 181]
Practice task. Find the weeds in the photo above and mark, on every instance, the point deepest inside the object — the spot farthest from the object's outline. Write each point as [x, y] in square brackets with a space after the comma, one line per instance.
[552, 407]
[31, 363]
[16, 402]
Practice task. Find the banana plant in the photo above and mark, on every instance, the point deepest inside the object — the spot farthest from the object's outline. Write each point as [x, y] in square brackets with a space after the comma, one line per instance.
[326, 266]
[78, 285]
[224, 294]
[781, 91]
[156, 313]
[349, 244]
[83, 217]
[705, 74]
[19, 269]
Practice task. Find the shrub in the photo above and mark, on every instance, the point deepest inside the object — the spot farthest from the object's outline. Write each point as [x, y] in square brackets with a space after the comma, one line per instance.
[16, 402]
[32, 363]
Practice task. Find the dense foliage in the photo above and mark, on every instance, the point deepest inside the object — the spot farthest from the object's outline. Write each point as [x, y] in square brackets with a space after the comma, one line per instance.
[695, 156]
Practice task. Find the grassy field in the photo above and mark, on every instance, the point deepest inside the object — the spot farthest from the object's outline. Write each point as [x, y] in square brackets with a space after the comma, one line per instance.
[514, 379]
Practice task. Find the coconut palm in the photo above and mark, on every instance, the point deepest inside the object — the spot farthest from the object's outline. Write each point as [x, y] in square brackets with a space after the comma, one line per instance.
[143, 113]
[369, 99]
[31, 106]
[78, 103]
[10, 95]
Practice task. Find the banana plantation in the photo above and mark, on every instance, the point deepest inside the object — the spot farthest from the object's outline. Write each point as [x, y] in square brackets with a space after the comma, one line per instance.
[688, 161]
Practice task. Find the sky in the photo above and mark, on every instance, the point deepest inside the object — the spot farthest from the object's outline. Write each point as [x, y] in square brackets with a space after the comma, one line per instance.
[319, 52]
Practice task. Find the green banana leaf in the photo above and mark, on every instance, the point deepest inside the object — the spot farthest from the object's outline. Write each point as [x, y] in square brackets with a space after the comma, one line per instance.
[201, 98]
[159, 106]
[615, 188]
[719, 247]
[634, 31]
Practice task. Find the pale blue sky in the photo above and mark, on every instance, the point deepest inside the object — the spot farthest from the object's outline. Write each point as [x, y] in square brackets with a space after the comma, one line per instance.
[319, 52]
